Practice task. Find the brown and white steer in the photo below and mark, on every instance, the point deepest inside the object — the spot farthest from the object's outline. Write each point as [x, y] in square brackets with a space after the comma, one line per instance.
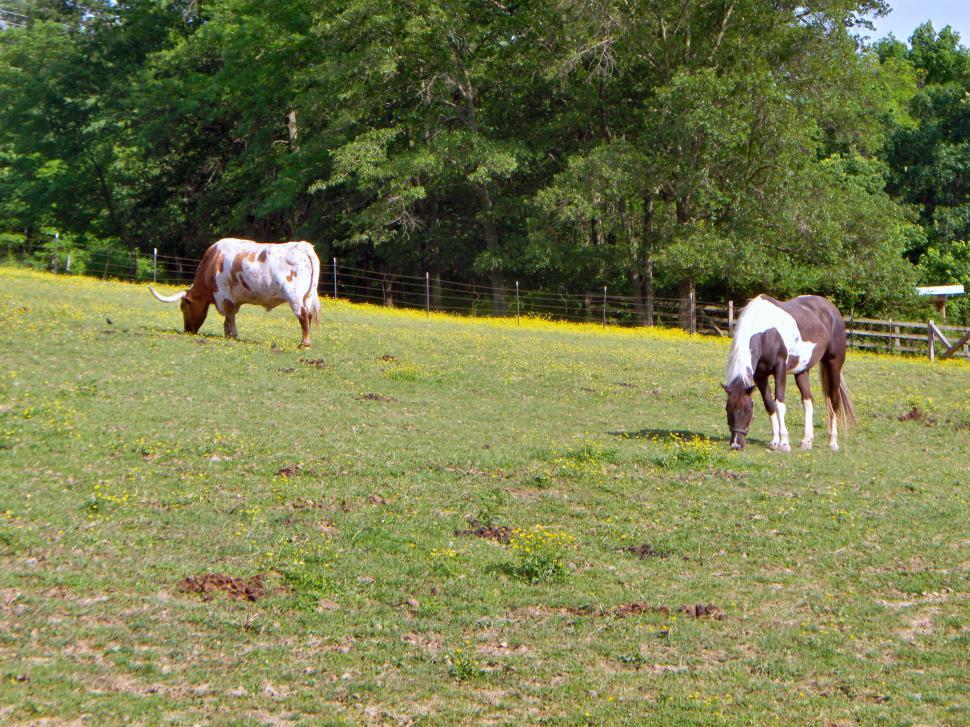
[234, 272]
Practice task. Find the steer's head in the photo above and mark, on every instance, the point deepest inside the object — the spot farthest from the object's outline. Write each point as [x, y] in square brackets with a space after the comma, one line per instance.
[194, 310]
[740, 409]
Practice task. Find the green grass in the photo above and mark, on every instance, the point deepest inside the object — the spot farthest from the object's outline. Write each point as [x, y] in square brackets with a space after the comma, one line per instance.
[132, 456]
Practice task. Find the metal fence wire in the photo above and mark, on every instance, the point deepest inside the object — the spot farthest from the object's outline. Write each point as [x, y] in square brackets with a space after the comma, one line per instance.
[432, 293]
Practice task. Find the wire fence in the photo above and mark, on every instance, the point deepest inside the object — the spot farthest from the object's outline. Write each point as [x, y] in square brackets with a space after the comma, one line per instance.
[426, 292]
[433, 293]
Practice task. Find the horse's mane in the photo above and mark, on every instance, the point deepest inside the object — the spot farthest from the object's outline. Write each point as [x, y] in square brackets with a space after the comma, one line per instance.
[740, 367]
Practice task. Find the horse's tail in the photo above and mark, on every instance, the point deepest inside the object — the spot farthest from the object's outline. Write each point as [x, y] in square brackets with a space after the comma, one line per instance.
[839, 402]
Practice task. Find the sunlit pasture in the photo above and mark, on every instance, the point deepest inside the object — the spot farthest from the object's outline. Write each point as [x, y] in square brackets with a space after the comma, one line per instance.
[438, 520]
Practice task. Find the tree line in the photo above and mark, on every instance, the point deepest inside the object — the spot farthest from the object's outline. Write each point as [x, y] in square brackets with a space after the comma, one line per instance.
[725, 146]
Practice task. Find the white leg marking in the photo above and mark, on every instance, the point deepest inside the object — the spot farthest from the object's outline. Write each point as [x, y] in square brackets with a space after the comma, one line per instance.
[783, 446]
[809, 424]
[775, 437]
[833, 433]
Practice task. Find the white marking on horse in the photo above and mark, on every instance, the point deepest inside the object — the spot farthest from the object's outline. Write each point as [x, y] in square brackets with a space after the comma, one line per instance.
[759, 316]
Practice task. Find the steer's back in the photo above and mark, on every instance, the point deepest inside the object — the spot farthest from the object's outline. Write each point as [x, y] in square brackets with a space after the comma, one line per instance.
[264, 274]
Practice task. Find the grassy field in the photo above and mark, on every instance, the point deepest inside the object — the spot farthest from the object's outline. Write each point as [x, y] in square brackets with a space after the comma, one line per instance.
[324, 492]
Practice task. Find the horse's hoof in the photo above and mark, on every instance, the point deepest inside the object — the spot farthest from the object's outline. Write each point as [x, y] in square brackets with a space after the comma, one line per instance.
[773, 446]
[834, 446]
[805, 444]
[784, 447]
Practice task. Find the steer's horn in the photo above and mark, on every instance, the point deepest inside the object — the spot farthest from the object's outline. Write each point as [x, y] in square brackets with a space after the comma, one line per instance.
[169, 298]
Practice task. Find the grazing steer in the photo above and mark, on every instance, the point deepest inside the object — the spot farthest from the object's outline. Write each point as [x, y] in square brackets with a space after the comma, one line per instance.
[234, 272]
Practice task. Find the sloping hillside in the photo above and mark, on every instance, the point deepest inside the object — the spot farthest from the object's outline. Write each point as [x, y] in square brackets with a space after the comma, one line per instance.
[190, 524]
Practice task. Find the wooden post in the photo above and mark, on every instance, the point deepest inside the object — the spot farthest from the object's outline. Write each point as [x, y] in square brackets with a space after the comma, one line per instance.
[897, 343]
[517, 303]
[931, 340]
[692, 307]
[731, 318]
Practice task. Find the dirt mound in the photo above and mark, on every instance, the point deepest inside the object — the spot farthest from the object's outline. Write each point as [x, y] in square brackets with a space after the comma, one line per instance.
[208, 583]
[289, 470]
[913, 415]
[500, 533]
[697, 610]
[644, 551]
[373, 397]
[315, 362]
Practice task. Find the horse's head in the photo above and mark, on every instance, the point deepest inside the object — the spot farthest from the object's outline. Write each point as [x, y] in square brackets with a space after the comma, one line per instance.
[739, 410]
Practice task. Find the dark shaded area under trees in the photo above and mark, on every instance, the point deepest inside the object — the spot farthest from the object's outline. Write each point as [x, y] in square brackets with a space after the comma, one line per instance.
[732, 146]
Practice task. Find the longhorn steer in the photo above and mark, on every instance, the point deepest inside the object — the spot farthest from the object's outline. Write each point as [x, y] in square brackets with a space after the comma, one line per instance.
[234, 272]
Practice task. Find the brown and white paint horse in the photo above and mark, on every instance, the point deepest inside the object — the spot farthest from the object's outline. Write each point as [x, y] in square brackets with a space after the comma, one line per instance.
[234, 272]
[774, 338]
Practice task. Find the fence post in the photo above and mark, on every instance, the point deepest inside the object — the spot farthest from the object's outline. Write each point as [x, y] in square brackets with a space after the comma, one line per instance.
[154, 264]
[848, 332]
[57, 238]
[931, 340]
[68, 262]
[894, 336]
[731, 318]
[518, 322]
[427, 295]
[692, 298]
[335, 278]
[604, 305]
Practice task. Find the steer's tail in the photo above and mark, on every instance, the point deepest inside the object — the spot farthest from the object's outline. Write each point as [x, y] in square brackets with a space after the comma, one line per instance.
[311, 301]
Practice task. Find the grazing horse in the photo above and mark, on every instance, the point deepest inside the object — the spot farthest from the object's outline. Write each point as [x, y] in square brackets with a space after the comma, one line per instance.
[776, 338]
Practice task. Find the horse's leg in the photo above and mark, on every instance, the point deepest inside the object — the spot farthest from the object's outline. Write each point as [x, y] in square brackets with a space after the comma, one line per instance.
[780, 373]
[834, 368]
[762, 383]
[805, 388]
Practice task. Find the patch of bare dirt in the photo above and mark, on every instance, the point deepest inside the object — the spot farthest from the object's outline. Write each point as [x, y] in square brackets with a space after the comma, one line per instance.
[290, 470]
[917, 415]
[209, 583]
[697, 610]
[712, 473]
[374, 397]
[499, 533]
[388, 357]
[644, 551]
[318, 363]
[921, 625]
[429, 642]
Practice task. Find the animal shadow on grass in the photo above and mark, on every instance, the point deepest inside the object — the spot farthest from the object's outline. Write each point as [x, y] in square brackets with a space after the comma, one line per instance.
[668, 434]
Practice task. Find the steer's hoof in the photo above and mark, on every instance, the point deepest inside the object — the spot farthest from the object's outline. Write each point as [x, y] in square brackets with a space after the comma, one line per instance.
[784, 447]
[805, 444]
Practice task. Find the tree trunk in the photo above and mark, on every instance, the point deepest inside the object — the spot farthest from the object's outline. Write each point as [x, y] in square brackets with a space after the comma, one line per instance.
[648, 244]
[633, 269]
[495, 275]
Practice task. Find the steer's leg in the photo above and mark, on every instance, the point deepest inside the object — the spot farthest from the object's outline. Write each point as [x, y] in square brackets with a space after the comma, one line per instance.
[305, 317]
[805, 388]
[229, 325]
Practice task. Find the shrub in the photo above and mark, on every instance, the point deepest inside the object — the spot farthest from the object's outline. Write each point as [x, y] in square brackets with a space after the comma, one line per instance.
[540, 554]
[693, 453]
